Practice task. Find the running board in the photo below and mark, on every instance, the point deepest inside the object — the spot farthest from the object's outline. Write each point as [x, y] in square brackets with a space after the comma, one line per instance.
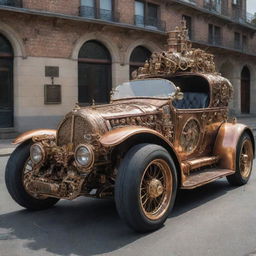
[194, 164]
[205, 176]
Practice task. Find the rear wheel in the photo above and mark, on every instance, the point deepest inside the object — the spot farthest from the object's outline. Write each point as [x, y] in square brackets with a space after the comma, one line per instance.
[146, 187]
[19, 164]
[244, 161]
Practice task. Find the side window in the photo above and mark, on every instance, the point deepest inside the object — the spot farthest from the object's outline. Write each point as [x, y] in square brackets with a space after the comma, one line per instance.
[192, 100]
[195, 90]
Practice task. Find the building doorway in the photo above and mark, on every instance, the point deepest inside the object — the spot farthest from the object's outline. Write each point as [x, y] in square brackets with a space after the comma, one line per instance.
[6, 83]
[94, 73]
[245, 90]
[138, 57]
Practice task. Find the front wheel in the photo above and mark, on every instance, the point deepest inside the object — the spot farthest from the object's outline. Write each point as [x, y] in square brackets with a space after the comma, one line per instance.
[146, 187]
[18, 165]
[244, 161]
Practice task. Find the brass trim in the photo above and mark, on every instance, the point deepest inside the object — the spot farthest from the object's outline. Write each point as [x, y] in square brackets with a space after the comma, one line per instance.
[196, 140]
[156, 189]
[245, 159]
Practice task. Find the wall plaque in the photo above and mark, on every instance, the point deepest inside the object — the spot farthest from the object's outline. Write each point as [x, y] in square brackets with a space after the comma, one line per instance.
[51, 71]
[52, 94]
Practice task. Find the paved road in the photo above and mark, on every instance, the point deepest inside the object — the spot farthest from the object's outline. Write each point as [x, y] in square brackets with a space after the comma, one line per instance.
[213, 220]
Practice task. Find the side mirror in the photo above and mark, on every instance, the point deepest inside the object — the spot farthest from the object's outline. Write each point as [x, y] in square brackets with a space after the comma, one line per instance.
[179, 96]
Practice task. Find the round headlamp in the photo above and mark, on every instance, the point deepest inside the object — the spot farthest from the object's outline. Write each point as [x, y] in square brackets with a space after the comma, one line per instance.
[37, 153]
[84, 156]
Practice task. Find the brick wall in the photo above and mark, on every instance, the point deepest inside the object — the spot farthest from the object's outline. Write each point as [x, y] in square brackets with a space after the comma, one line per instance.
[48, 37]
[70, 7]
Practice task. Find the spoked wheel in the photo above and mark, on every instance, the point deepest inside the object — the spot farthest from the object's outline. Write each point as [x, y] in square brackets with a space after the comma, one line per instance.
[156, 189]
[146, 187]
[246, 157]
[18, 166]
[244, 161]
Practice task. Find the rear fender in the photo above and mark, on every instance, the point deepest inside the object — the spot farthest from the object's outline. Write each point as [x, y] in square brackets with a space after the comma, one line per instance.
[30, 134]
[226, 143]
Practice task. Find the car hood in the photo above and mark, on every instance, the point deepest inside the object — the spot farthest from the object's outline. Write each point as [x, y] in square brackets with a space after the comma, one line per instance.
[118, 110]
[102, 118]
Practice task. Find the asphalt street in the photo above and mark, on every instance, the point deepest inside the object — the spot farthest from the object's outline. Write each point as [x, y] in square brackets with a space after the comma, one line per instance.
[216, 219]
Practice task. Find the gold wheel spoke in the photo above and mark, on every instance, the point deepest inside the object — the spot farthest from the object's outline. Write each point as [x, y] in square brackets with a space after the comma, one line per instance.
[156, 189]
[245, 159]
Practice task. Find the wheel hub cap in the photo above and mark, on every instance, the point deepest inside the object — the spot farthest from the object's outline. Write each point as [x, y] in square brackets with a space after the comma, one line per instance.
[245, 158]
[155, 188]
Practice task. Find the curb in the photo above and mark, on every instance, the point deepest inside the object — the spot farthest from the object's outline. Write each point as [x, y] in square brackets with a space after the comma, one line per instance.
[6, 151]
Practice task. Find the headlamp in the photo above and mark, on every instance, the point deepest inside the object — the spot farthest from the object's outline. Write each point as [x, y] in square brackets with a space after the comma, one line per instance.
[37, 153]
[84, 156]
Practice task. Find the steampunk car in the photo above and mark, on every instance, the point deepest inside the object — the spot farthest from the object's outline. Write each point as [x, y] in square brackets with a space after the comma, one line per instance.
[165, 130]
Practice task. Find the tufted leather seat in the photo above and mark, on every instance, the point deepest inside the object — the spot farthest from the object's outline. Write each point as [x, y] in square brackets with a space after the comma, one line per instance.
[192, 100]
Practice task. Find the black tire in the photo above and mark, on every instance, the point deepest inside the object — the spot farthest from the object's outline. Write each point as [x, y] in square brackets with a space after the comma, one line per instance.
[238, 179]
[14, 184]
[128, 183]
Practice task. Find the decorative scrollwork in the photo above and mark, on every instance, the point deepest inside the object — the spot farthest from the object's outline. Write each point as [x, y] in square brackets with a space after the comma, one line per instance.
[190, 136]
[180, 56]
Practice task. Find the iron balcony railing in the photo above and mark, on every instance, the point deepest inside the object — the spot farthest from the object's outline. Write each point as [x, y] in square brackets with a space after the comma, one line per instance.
[149, 22]
[213, 6]
[96, 13]
[240, 45]
[14, 3]
[239, 15]
[215, 40]
[236, 13]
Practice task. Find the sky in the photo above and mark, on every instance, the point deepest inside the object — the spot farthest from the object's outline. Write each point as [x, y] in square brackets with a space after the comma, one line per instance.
[251, 6]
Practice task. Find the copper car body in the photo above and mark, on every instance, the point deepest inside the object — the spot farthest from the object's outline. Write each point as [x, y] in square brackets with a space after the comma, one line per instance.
[196, 138]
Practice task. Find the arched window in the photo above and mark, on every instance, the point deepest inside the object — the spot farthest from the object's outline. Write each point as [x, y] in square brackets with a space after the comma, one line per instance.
[245, 90]
[6, 83]
[138, 57]
[94, 73]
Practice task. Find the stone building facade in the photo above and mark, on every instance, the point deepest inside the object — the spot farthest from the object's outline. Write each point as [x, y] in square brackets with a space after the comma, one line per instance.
[93, 45]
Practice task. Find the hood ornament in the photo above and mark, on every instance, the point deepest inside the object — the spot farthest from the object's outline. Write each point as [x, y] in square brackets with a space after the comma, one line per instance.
[77, 107]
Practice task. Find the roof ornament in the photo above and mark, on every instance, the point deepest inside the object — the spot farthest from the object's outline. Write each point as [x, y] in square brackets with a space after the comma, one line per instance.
[179, 57]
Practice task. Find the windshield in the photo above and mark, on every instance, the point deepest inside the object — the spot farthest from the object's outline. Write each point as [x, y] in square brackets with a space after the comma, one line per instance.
[156, 88]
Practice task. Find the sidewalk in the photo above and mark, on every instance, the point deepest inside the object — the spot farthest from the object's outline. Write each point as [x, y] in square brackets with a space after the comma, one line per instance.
[6, 147]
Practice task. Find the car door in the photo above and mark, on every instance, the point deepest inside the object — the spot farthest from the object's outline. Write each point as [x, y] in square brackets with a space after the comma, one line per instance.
[196, 126]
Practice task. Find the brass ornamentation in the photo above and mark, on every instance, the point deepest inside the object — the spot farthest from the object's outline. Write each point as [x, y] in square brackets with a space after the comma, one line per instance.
[179, 57]
[155, 189]
[190, 135]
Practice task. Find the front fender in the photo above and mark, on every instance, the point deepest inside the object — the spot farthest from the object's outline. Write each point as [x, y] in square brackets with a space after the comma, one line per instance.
[30, 134]
[226, 143]
[119, 135]
[138, 134]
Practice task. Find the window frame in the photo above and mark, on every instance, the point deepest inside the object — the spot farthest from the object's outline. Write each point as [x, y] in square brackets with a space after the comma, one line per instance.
[190, 30]
[212, 37]
[97, 8]
[244, 42]
[237, 45]
[145, 11]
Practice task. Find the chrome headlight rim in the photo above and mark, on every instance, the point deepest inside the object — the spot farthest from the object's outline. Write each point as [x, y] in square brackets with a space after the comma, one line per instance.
[43, 154]
[91, 154]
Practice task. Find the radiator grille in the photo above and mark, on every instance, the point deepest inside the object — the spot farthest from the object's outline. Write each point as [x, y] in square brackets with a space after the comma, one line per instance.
[81, 128]
[64, 132]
